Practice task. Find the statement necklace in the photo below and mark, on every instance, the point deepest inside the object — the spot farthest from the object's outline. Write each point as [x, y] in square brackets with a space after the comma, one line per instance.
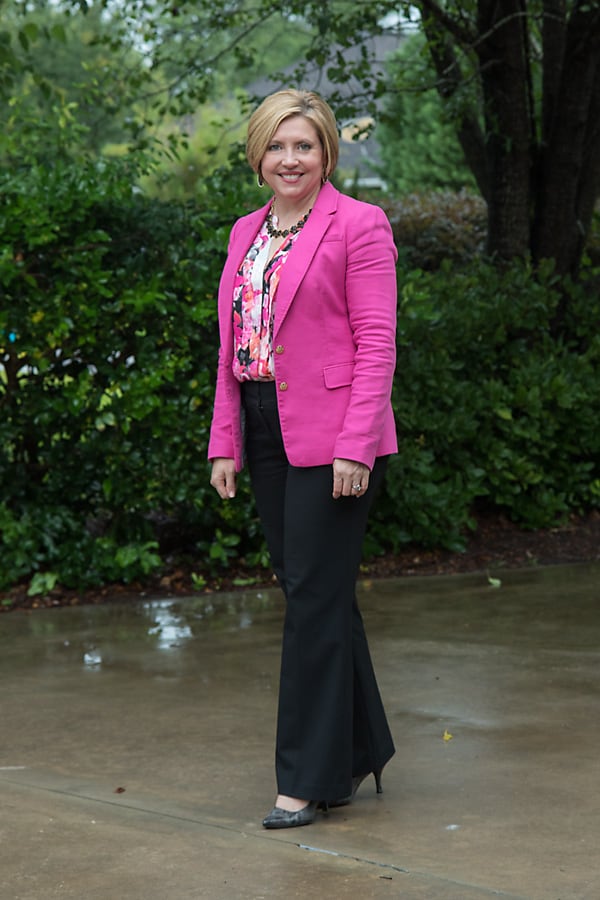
[283, 232]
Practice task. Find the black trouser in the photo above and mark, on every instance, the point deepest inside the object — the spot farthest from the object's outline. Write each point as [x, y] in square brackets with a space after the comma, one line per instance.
[331, 721]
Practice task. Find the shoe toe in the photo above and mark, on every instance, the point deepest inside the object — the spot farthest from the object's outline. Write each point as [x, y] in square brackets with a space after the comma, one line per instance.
[283, 818]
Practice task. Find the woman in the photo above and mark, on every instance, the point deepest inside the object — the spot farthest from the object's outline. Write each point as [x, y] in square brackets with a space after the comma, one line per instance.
[307, 311]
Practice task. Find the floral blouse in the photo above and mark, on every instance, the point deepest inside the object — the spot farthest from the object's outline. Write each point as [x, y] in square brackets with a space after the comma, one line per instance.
[254, 293]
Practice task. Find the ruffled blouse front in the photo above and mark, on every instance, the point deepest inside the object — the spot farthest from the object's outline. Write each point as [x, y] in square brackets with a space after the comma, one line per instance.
[254, 296]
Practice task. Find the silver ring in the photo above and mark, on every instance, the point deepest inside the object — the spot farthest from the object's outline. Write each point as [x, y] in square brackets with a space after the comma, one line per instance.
[357, 487]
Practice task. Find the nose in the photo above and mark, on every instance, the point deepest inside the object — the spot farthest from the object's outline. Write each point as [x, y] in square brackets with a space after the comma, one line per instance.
[290, 158]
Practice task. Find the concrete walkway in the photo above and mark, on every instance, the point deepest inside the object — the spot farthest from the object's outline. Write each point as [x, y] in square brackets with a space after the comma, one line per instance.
[136, 748]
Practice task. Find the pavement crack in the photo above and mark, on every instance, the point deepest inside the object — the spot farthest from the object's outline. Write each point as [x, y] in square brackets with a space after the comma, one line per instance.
[154, 808]
[391, 867]
[359, 859]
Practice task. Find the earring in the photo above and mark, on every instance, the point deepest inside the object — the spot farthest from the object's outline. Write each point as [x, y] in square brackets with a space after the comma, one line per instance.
[324, 178]
[259, 179]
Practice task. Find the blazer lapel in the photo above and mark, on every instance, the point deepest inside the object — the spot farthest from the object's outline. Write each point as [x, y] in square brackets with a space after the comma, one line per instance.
[299, 260]
[303, 251]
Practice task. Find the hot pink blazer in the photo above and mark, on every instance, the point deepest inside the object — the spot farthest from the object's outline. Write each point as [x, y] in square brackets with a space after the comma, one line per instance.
[334, 337]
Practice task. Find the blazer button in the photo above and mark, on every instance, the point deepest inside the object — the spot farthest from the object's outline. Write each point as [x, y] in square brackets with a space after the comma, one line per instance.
[283, 386]
[279, 348]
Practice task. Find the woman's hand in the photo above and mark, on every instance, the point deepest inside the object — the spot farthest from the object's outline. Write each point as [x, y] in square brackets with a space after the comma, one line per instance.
[350, 478]
[223, 477]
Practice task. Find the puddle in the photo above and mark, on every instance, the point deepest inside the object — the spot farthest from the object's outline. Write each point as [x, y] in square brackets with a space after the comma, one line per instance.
[139, 633]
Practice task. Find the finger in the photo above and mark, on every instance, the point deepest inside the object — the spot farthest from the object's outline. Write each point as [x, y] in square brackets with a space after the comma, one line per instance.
[224, 482]
[337, 485]
[350, 478]
[361, 490]
[347, 482]
[229, 486]
[219, 486]
[360, 484]
[342, 482]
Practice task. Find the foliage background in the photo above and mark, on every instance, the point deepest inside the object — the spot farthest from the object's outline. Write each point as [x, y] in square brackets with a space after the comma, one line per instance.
[108, 340]
[419, 147]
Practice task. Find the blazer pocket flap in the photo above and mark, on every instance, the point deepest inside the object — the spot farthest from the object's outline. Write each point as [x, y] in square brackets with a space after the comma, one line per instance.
[339, 375]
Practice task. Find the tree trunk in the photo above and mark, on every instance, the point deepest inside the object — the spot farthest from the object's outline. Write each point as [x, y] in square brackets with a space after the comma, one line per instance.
[504, 70]
[569, 166]
[540, 174]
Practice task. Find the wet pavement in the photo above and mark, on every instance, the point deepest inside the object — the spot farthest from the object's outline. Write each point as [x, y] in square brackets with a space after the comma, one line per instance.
[136, 748]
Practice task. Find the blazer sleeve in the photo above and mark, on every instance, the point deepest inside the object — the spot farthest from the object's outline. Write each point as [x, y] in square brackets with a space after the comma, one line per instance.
[371, 296]
[221, 442]
[225, 430]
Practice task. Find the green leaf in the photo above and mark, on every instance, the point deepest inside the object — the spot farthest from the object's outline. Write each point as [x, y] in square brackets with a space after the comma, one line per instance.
[42, 583]
[58, 33]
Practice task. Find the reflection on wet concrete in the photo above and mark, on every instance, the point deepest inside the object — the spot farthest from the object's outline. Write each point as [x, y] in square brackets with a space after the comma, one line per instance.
[528, 609]
[99, 636]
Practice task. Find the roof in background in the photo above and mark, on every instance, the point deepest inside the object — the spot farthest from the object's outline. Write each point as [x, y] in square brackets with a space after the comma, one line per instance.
[356, 156]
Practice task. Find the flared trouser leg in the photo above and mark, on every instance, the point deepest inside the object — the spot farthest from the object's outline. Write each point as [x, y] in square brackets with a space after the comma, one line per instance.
[331, 722]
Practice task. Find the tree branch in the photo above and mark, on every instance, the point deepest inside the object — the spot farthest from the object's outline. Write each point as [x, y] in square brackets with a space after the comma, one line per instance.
[466, 37]
[449, 82]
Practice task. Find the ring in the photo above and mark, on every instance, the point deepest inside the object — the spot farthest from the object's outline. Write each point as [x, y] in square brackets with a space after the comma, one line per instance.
[357, 487]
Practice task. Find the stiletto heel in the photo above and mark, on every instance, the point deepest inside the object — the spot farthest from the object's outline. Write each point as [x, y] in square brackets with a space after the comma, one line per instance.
[356, 783]
[358, 780]
[377, 776]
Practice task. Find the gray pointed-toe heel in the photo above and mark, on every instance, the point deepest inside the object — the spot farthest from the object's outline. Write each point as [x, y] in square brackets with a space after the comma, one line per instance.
[283, 818]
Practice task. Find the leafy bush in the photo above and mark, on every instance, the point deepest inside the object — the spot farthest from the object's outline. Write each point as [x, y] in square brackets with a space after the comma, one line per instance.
[108, 350]
[108, 340]
[492, 404]
[438, 227]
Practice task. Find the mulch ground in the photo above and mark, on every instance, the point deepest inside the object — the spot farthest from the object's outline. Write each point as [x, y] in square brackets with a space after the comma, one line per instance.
[496, 544]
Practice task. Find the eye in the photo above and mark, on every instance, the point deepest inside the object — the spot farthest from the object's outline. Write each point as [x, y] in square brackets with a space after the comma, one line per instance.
[305, 145]
[274, 146]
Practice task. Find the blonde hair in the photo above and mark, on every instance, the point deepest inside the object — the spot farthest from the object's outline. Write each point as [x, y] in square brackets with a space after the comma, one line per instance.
[266, 119]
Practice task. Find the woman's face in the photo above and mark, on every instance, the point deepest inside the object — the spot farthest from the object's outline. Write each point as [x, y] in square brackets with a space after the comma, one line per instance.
[293, 162]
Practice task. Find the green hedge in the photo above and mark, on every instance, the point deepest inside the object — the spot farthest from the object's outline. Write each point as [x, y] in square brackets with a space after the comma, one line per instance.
[108, 351]
[108, 348]
[496, 405]
[438, 227]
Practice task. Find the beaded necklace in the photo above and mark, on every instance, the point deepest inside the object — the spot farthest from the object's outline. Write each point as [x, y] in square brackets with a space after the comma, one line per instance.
[284, 232]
